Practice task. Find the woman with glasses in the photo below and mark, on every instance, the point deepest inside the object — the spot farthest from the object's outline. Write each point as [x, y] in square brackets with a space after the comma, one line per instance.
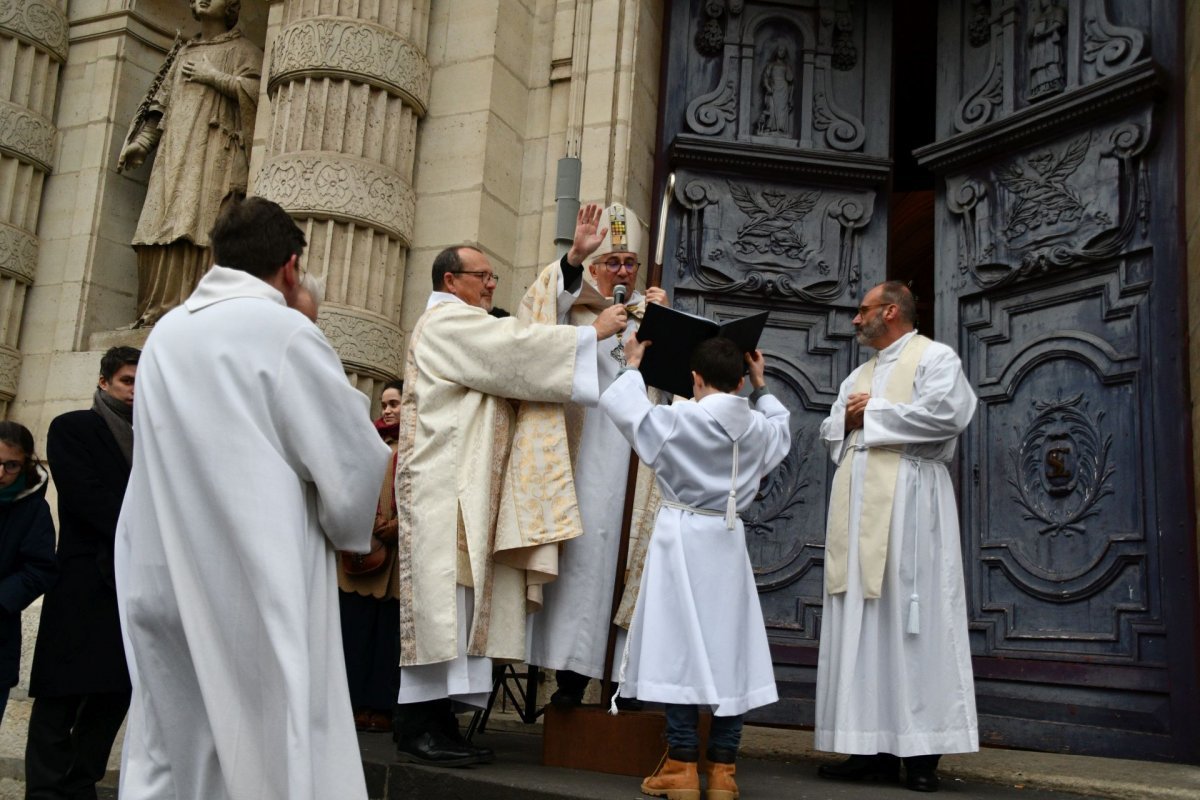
[27, 563]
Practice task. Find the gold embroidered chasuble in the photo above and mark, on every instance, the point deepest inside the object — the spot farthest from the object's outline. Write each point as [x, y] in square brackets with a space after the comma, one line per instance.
[883, 467]
[457, 423]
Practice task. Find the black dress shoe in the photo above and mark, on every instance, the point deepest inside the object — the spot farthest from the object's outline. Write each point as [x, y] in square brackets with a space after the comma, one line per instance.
[435, 750]
[879, 767]
[921, 780]
[566, 700]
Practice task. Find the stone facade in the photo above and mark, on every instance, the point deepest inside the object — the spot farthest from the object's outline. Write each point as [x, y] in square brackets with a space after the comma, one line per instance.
[389, 130]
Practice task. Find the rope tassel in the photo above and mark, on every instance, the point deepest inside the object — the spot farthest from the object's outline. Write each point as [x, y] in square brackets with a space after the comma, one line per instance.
[914, 614]
[731, 511]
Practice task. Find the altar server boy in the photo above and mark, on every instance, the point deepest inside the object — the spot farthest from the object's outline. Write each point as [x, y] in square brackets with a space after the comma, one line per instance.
[698, 637]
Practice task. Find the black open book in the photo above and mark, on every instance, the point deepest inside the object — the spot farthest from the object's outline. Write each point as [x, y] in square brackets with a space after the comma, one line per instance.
[666, 363]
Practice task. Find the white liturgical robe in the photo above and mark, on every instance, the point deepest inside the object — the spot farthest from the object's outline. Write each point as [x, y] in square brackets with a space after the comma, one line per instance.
[571, 630]
[254, 460]
[881, 687]
[698, 635]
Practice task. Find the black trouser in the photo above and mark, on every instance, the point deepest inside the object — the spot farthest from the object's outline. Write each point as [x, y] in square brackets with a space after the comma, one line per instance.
[434, 716]
[70, 739]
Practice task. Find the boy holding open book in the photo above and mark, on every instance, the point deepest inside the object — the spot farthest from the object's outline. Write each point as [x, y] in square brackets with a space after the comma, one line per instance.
[698, 637]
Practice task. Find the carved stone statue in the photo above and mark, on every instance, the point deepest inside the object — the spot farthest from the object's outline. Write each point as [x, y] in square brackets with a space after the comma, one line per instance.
[1046, 61]
[775, 119]
[199, 114]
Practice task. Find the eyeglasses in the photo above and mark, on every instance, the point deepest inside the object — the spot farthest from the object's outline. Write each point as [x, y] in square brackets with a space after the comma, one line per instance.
[862, 310]
[485, 277]
[12, 466]
[613, 265]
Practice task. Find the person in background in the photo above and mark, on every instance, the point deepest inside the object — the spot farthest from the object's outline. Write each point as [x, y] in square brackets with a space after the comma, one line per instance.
[27, 562]
[369, 596]
[80, 681]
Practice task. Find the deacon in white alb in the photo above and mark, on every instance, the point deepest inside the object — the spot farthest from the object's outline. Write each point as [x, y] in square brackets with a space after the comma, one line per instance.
[570, 633]
[894, 671]
[255, 459]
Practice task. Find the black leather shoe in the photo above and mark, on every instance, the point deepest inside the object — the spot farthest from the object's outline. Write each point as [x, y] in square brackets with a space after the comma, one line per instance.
[566, 700]
[434, 750]
[629, 704]
[921, 780]
[879, 767]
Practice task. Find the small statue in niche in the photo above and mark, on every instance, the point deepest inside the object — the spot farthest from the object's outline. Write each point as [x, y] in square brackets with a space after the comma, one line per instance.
[199, 114]
[775, 119]
[1047, 74]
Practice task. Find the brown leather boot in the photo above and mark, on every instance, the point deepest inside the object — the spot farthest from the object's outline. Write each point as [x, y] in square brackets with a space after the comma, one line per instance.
[676, 777]
[720, 771]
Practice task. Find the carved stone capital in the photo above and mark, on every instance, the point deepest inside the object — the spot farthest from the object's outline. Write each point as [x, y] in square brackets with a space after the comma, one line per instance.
[18, 253]
[364, 341]
[323, 47]
[10, 371]
[331, 186]
[38, 22]
[26, 135]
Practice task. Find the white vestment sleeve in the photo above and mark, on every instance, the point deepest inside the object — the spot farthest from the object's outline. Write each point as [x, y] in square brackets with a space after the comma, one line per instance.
[644, 425]
[585, 383]
[942, 405]
[779, 440]
[325, 429]
[833, 429]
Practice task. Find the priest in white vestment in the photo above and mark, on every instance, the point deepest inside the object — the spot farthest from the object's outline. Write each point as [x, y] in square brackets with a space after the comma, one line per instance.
[894, 678]
[570, 634]
[255, 459]
[463, 593]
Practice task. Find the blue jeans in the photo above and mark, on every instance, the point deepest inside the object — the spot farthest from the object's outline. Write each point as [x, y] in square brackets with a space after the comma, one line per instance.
[725, 733]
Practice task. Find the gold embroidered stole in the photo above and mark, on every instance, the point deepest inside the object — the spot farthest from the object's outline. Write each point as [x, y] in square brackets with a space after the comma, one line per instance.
[538, 507]
[879, 485]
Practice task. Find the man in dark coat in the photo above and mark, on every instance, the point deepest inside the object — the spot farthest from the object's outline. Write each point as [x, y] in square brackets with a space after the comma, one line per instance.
[79, 682]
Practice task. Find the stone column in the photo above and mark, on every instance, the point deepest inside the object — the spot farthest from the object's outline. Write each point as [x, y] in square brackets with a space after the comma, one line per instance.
[33, 47]
[348, 83]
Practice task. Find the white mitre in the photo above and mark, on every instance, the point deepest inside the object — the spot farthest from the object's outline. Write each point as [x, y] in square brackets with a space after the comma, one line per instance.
[626, 233]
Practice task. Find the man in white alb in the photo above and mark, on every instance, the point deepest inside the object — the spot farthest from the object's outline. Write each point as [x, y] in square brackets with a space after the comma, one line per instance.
[894, 678]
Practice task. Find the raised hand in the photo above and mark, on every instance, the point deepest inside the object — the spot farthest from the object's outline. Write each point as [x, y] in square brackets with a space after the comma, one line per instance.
[588, 233]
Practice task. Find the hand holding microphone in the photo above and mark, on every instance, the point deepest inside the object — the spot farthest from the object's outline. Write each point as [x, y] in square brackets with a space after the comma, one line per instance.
[619, 294]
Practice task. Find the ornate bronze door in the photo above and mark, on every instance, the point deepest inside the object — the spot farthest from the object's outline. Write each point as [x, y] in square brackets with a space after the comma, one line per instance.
[1060, 281]
[777, 128]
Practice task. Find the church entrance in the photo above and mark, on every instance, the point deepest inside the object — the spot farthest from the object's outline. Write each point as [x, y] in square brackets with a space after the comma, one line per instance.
[1037, 223]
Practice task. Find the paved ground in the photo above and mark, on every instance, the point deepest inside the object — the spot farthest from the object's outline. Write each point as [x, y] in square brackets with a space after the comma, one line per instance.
[518, 775]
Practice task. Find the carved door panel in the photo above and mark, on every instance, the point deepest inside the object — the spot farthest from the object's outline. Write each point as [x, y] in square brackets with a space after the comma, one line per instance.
[1060, 282]
[777, 127]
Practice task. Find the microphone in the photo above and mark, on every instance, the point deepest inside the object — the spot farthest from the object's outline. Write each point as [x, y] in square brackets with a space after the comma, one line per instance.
[619, 294]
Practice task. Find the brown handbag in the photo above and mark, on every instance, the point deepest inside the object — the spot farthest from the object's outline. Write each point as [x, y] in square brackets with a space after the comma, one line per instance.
[357, 565]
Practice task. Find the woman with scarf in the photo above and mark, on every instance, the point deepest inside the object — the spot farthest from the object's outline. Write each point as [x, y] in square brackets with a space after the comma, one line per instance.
[370, 591]
[27, 563]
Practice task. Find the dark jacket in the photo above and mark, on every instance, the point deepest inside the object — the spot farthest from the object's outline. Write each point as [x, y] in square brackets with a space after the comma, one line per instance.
[27, 567]
[79, 648]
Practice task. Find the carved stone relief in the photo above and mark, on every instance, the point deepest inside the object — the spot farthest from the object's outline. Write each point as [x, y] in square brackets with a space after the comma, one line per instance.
[334, 47]
[1077, 201]
[777, 504]
[18, 253]
[340, 187]
[710, 38]
[10, 371]
[26, 135]
[784, 242]
[365, 342]
[38, 22]
[1047, 57]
